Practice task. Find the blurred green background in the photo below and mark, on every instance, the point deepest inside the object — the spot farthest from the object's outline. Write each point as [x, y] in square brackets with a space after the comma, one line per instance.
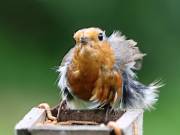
[36, 34]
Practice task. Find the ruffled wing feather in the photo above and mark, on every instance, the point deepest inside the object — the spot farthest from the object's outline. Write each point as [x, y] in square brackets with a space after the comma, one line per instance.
[128, 58]
[127, 53]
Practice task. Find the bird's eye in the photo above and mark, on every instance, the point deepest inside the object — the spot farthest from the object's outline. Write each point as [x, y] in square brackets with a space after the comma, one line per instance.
[100, 36]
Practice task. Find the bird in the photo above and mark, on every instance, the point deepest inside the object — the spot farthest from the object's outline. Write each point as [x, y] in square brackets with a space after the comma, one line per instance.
[100, 71]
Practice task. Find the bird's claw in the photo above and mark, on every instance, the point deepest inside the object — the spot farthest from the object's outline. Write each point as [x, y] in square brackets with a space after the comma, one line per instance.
[115, 127]
[63, 106]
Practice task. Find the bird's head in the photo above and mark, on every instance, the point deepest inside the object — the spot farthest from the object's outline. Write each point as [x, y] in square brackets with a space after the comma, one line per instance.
[91, 37]
[92, 46]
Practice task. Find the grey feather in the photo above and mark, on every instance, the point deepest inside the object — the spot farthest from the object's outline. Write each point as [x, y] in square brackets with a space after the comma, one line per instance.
[137, 95]
[68, 57]
[128, 58]
[126, 52]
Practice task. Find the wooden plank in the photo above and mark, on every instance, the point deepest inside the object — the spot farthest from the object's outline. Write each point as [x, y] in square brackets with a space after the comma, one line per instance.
[70, 130]
[30, 119]
[95, 115]
[32, 124]
[131, 123]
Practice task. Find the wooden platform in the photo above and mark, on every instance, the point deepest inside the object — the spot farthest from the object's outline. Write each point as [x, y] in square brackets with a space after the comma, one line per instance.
[130, 123]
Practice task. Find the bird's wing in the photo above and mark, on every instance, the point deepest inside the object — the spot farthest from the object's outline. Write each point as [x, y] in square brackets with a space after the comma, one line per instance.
[68, 57]
[128, 57]
[62, 83]
[127, 54]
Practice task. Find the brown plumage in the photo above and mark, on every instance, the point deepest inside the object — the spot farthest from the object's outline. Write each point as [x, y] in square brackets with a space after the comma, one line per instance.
[91, 74]
[99, 71]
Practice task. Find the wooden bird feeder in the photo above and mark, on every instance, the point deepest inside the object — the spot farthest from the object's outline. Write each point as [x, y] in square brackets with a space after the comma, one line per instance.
[130, 123]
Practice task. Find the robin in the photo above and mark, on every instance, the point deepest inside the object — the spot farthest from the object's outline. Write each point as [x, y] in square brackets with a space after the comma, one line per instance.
[99, 71]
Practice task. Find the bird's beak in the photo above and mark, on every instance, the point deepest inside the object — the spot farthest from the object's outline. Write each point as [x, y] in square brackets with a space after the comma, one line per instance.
[84, 40]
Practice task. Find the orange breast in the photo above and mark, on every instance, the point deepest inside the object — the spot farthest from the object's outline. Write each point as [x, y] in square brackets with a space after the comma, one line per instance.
[91, 72]
[82, 85]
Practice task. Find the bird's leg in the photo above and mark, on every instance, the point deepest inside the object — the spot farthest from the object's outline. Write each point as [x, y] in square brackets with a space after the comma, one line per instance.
[107, 109]
[115, 127]
[62, 107]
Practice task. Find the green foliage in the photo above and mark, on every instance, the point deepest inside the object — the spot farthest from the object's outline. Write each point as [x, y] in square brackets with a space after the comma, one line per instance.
[35, 35]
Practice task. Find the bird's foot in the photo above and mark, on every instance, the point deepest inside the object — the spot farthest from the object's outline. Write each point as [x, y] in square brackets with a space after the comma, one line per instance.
[62, 107]
[108, 110]
[49, 115]
[114, 126]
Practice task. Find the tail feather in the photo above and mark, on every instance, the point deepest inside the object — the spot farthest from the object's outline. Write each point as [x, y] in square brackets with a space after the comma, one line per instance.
[137, 95]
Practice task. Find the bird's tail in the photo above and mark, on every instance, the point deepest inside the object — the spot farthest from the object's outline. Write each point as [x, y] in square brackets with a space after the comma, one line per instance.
[137, 95]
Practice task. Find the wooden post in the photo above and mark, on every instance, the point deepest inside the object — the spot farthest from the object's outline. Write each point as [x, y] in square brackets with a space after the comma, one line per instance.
[130, 123]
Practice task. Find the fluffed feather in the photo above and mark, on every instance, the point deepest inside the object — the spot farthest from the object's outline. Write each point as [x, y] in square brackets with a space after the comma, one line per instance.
[127, 59]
